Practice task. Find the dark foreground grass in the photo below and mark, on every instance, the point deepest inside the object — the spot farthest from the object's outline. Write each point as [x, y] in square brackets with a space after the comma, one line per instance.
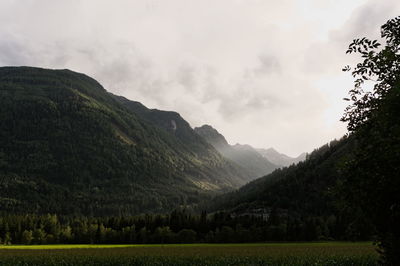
[224, 255]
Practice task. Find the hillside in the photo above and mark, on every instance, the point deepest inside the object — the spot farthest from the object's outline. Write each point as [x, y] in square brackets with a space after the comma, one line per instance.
[302, 198]
[68, 146]
[244, 155]
[301, 201]
[301, 188]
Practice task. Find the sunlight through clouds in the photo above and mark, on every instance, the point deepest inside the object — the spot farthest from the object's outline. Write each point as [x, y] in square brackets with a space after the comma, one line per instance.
[261, 72]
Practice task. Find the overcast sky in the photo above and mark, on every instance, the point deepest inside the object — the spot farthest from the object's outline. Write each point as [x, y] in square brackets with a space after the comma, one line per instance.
[262, 72]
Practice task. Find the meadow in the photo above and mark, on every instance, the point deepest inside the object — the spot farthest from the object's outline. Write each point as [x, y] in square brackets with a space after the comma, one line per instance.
[327, 253]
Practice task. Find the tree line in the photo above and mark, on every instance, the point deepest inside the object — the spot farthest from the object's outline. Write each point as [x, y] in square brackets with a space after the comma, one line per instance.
[180, 226]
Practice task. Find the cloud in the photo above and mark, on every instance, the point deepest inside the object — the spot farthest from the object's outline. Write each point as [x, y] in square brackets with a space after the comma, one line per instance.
[268, 64]
[365, 21]
[262, 72]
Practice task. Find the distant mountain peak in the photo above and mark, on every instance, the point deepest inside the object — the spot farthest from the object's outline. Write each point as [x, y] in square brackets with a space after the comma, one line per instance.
[206, 126]
[212, 136]
[281, 159]
[272, 150]
[242, 154]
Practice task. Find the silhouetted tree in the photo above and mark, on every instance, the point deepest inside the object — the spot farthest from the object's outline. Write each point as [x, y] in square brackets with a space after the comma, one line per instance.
[373, 175]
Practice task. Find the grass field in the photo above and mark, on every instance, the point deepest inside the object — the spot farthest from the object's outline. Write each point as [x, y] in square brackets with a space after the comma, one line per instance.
[329, 253]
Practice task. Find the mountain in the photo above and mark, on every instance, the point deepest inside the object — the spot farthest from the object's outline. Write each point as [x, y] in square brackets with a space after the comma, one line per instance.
[302, 202]
[279, 158]
[212, 136]
[175, 126]
[305, 189]
[68, 146]
[243, 155]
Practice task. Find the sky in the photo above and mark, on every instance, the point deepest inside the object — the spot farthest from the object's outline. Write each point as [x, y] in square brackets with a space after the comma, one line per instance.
[262, 72]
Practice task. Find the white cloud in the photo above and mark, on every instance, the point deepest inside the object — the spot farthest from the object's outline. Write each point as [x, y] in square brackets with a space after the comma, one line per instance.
[262, 72]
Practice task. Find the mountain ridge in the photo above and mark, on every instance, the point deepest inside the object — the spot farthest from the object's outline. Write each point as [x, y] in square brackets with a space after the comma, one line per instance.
[279, 158]
[72, 147]
[243, 155]
[309, 184]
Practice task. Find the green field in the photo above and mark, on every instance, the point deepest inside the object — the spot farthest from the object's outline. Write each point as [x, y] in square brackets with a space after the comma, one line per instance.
[329, 253]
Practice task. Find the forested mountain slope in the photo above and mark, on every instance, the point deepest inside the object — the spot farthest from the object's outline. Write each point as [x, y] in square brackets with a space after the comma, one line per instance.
[302, 200]
[244, 155]
[182, 133]
[304, 187]
[68, 146]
